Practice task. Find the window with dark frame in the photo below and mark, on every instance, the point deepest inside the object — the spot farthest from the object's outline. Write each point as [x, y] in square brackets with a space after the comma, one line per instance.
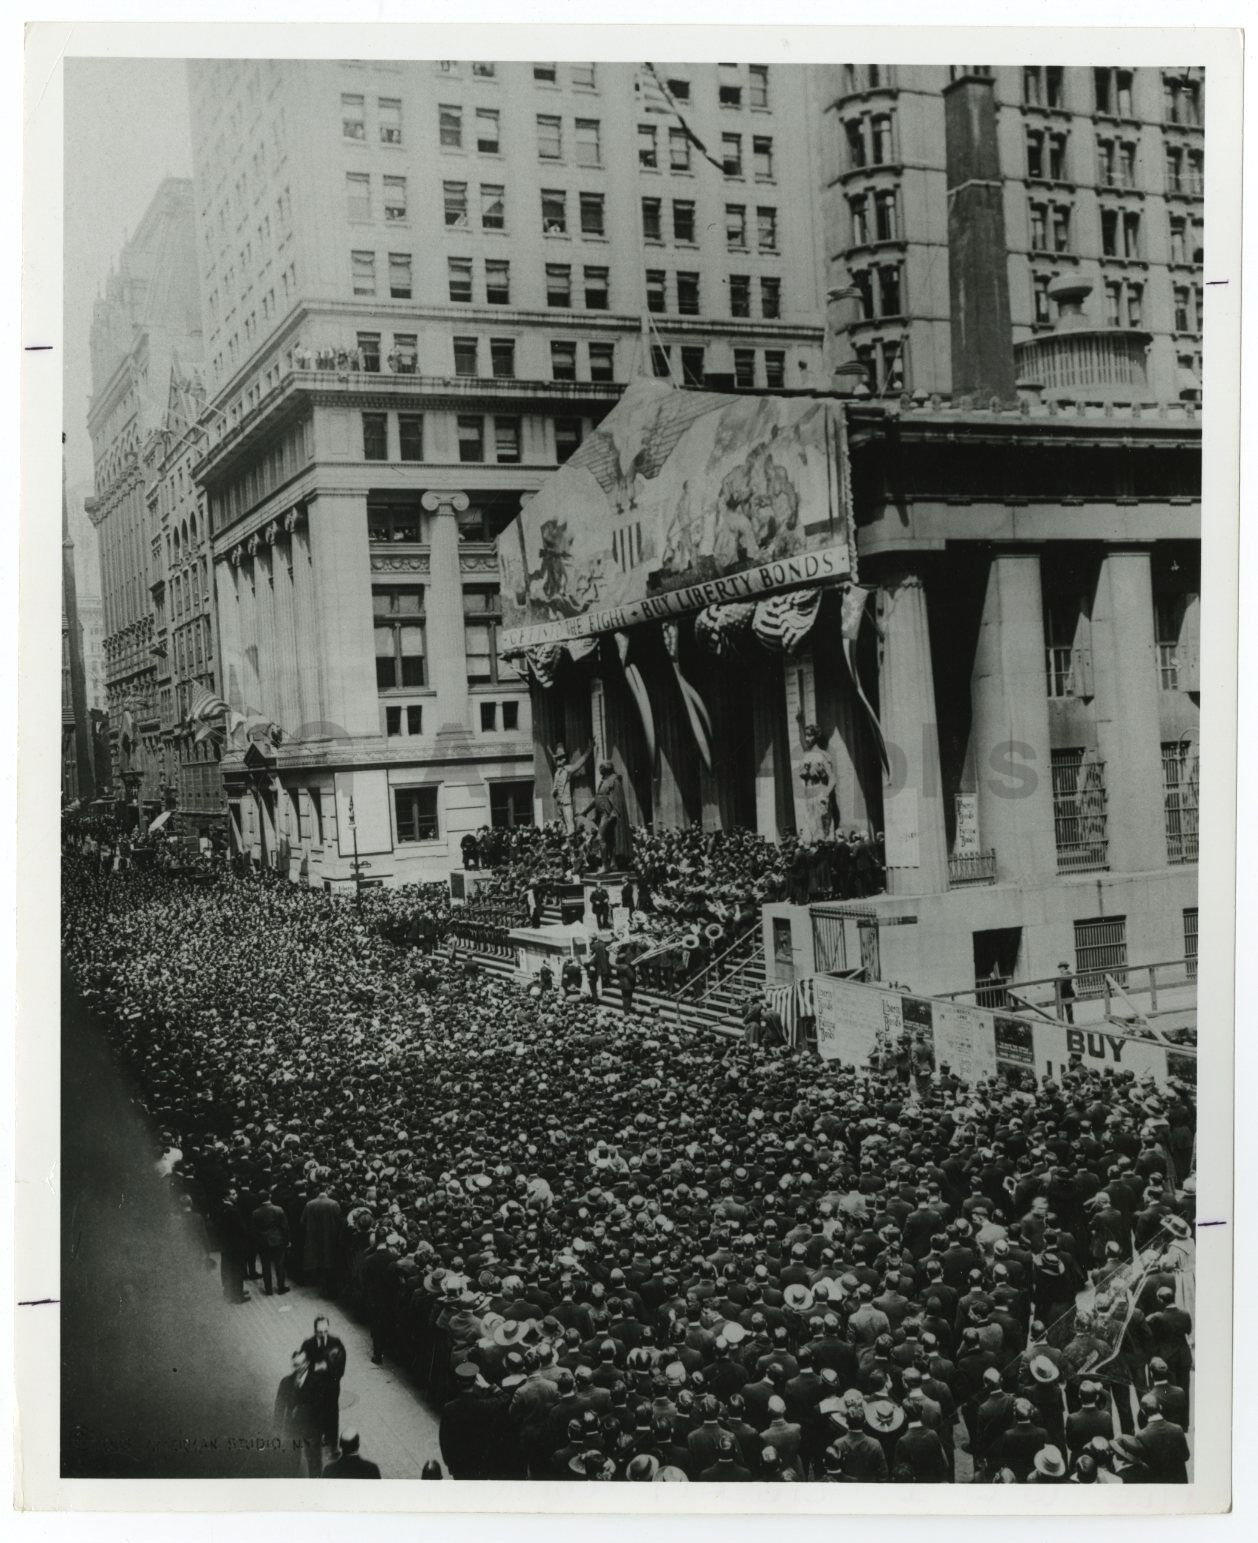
[493, 206]
[652, 229]
[502, 358]
[559, 285]
[563, 359]
[507, 441]
[459, 279]
[745, 368]
[398, 621]
[399, 276]
[554, 212]
[596, 288]
[410, 428]
[488, 132]
[602, 361]
[497, 281]
[375, 436]
[466, 351]
[415, 812]
[482, 621]
[568, 436]
[591, 205]
[471, 436]
[450, 126]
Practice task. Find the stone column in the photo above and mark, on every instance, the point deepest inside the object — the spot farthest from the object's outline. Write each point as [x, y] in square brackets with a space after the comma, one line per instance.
[227, 629]
[443, 613]
[770, 751]
[913, 817]
[341, 585]
[287, 661]
[309, 682]
[1128, 732]
[1012, 748]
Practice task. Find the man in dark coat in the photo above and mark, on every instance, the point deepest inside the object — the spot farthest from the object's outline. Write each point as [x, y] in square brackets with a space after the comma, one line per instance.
[627, 979]
[349, 1465]
[478, 1440]
[1162, 1446]
[270, 1234]
[601, 905]
[321, 1232]
[296, 1419]
[230, 1232]
[380, 1288]
[326, 1356]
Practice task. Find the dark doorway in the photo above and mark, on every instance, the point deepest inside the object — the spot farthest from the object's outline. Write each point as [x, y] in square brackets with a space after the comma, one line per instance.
[995, 964]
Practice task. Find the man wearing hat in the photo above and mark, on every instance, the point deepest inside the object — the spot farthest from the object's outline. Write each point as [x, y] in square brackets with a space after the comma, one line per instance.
[325, 1354]
[477, 1439]
[1050, 1467]
[1169, 1330]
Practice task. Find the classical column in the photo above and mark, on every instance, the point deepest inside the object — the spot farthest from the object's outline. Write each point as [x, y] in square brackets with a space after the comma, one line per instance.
[341, 584]
[1012, 749]
[913, 817]
[227, 582]
[1129, 739]
[309, 682]
[772, 770]
[288, 712]
[443, 613]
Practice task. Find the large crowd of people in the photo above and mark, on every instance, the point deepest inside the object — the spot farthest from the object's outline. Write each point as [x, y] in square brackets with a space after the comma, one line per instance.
[608, 1249]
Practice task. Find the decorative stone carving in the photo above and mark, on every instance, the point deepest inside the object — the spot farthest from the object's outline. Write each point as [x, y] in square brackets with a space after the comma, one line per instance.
[477, 562]
[434, 501]
[419, 563]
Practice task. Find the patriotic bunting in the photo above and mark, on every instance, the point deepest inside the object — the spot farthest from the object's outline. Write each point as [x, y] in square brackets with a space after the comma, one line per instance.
[782, 622]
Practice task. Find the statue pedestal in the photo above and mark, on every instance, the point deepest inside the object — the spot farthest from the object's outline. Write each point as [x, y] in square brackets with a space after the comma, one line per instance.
[536, 946]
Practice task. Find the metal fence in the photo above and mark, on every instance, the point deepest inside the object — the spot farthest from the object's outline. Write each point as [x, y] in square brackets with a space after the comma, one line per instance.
[971, 868]
[1080, 814]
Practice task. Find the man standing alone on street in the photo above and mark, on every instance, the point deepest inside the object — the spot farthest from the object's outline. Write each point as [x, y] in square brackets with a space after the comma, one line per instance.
[270, 1233]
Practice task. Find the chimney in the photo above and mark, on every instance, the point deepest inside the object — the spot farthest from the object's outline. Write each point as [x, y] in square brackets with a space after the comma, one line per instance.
[978, 277]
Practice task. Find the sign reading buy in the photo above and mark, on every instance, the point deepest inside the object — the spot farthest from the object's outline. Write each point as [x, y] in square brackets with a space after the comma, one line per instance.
[856, 1022]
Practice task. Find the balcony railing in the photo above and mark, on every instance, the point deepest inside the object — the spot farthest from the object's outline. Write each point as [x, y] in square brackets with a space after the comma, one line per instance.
[965, 868]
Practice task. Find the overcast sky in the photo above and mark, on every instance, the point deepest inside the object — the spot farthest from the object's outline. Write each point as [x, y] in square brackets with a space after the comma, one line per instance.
[126, 127]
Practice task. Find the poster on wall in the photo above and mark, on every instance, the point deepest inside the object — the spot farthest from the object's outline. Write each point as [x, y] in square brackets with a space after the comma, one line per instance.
[965, 1041]
[368, 791]
[850, 1021]
[966, 843]
[677, 501]
[1015, 1044]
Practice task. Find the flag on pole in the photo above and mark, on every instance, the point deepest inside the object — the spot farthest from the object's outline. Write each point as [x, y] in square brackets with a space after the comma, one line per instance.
[205, 704]
[655, 98]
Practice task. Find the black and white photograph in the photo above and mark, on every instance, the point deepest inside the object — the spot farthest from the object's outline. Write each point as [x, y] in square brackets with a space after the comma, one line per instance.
[633, 668]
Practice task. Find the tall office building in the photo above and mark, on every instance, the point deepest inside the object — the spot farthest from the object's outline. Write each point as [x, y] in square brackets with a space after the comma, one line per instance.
[423, 284]
[1093, 190]
[147, 317]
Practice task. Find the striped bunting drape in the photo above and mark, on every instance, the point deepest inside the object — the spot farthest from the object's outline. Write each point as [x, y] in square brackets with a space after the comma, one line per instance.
[782, 622]
[791, 1003]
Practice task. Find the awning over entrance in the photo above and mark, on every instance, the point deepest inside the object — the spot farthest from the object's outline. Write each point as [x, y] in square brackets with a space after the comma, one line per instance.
[680, 500]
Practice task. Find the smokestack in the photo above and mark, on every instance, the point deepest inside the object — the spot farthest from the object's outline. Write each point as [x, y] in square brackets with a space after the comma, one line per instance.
[982, 334]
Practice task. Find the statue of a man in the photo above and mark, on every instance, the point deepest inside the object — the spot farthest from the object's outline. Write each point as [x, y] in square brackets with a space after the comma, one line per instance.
[563, 774]
[818, 806]
[611, 816]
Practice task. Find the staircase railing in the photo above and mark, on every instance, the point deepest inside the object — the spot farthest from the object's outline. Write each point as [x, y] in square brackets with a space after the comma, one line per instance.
[720, 976]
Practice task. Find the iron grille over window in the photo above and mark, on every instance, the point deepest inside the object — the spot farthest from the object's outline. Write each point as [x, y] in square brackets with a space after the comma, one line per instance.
[1100, 950]
[1080, 817]
[1179, 801]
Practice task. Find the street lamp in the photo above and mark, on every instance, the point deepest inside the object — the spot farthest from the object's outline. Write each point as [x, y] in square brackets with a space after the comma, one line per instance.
[355, 864]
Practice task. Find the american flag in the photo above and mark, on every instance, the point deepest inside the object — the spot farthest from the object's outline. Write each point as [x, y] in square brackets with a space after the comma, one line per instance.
[791, 1003]
[204, 704]
[782, 622]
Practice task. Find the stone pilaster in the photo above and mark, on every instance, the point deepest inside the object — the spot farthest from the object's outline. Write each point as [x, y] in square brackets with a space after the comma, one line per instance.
[443, 613]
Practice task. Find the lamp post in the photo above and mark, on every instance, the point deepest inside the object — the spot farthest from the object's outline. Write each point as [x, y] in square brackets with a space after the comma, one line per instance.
[355, 864]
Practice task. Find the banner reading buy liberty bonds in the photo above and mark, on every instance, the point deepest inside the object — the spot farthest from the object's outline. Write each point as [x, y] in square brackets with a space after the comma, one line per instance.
[679, 500]
[855, 1021]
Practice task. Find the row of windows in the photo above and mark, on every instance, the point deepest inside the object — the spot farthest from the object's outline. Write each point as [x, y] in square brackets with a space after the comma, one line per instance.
[1123, 229]
[494, 439]
[1124, 303]
[752, 367]
[545, 72]
[398, 623]
[870, 141]
[406, 721]
[654, 141]
[1113, 93]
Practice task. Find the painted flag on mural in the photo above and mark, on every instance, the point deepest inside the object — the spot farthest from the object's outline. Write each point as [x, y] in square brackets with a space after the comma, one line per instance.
[654, 97]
